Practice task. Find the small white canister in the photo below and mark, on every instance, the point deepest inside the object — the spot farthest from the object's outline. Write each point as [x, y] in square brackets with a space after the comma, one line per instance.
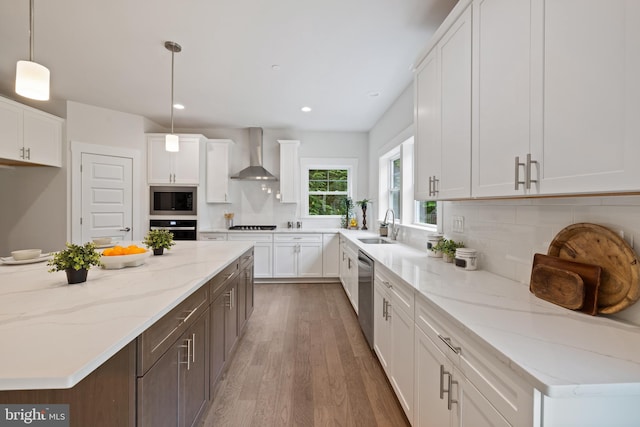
[466, 259]
[433, 240]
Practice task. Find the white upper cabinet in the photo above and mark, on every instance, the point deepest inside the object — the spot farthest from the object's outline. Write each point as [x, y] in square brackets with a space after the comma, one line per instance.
[289, 171]
[591, 137]
[217, 190]
[164, 167]
[443, 116]
[502, 89]
[28, 135]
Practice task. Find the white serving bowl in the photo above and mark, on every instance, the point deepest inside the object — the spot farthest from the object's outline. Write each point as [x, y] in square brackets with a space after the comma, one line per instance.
[121, 261]
[102, 241]
[26, 254]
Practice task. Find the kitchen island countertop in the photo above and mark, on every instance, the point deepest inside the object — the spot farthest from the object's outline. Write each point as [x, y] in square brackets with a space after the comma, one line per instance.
[54, 334]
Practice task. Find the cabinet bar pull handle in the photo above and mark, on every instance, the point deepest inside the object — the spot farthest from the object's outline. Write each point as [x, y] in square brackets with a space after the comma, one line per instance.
[450, 400]
[442, 373]
[188, 347]
[193, 348]
[447, 341]
[388, 313]
[22, 152]
[184, 319]
[527, 176]
[436, 181]
[517, 173]
[28, 153]
[387, 284]
[430, 186]
[384, 308]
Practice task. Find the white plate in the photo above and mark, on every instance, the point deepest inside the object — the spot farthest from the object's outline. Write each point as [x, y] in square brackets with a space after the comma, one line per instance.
[11, 261]
[108, 245]
[121, 261]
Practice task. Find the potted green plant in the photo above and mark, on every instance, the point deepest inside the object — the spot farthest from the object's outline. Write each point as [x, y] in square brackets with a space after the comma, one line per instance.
[159, 240]
[363, 205]
[348, 212]
[448, 248]
[75, 260]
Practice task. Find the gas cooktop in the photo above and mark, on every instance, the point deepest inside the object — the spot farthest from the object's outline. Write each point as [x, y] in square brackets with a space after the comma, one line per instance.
[253, 227]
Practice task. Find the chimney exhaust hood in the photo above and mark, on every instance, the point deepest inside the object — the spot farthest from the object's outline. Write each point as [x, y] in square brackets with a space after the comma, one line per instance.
[255, 171]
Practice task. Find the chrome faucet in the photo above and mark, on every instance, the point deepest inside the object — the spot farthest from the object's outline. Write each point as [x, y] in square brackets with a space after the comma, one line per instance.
[394, 229]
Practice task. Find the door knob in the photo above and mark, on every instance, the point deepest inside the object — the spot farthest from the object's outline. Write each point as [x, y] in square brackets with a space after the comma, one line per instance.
[127, 229]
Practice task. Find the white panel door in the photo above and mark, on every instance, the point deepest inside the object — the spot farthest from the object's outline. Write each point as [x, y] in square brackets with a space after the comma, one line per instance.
[427, 119]
[10, 131]
[430, 405]
[263, 260]
[455, 104]
[217, 184]
[402, 338]
[285, 257]
[42, 138]
[331, 255]
[472, 408]
[309, 259]
[381, 326]
[186, 161]
[501, 128]
[106, 197]
[591, 138]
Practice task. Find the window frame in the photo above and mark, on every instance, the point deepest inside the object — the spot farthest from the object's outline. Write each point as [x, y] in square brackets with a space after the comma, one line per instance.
[307, 164]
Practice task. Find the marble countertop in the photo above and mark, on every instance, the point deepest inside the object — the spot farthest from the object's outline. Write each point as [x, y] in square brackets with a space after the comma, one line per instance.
[54, 334]
[560, 352]
[277, 230]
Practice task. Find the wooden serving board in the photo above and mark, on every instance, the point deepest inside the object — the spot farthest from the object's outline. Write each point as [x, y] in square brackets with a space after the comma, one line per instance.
[594, 244]
[562, 287]
[590, 275]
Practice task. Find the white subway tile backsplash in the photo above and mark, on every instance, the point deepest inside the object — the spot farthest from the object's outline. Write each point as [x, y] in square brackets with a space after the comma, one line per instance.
[507, 233]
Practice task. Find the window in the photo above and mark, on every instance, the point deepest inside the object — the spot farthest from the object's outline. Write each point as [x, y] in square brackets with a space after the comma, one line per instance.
[396, 188]
[427, 212]
[327, 191]
[325, 183]
[395, 185]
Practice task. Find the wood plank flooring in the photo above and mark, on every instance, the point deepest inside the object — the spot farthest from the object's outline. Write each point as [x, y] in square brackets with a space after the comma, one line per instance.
[303, 361]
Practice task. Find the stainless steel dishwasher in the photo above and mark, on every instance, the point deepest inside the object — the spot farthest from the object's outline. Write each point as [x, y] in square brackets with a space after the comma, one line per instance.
[365, 296]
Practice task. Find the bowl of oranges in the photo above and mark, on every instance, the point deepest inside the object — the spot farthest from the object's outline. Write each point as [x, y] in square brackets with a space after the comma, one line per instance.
[123, 256]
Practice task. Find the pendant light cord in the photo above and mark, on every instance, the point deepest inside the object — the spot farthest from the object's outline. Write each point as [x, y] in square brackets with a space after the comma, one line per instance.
[172, 61]
[31, 19]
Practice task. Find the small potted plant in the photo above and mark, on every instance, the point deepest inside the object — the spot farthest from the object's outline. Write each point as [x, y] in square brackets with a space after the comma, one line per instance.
[75, 260]
[363, 205]
[159, 240]
[448, 249]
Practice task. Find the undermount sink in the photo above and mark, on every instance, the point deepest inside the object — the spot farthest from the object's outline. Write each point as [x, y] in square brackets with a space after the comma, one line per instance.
[375, 241]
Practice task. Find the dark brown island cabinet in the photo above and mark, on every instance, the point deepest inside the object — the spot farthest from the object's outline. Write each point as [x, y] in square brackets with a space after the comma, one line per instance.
[167, 376]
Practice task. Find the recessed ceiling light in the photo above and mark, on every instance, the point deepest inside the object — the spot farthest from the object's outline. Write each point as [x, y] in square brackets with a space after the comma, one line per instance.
[373, 94]
[305, 109]
[178, 106]
[275, 67]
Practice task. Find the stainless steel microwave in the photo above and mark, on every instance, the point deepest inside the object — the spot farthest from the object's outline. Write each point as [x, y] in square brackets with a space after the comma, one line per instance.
[169, 200]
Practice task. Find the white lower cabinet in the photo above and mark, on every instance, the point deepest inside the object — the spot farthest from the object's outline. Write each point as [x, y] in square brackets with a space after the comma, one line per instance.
[297, 255]
[393, 335]
[262, 254]
[349, 271]
[330, 255]
[457, 381]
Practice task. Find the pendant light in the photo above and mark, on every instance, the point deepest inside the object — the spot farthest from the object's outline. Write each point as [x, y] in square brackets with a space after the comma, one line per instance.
[32, 79]
[171, 141]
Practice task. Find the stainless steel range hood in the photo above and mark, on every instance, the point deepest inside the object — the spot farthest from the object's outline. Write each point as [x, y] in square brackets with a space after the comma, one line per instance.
[255, 171]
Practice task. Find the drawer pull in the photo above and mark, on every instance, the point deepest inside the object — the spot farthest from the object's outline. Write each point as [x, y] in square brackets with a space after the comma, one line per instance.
[387, 284]
[193, 348]
[185, 319]
[188, 347]
[449, 389]
[447, 341]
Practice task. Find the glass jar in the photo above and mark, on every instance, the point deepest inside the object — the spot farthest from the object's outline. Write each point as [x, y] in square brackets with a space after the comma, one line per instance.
[466, 259]
[433, 240]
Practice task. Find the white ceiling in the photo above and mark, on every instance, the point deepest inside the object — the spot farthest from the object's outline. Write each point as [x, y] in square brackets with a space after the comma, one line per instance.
[332, 54]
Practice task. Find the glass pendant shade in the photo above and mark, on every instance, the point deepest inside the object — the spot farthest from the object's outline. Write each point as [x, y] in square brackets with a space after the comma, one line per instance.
[172, 143]
[32, 80]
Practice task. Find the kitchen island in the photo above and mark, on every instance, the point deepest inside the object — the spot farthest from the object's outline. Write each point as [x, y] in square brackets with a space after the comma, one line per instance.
[56, 335]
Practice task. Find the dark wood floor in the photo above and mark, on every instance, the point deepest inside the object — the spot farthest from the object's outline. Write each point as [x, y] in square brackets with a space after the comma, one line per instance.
[303, 361]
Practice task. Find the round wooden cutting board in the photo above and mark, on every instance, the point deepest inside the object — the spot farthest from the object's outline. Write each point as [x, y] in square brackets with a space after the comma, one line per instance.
[595, 244]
